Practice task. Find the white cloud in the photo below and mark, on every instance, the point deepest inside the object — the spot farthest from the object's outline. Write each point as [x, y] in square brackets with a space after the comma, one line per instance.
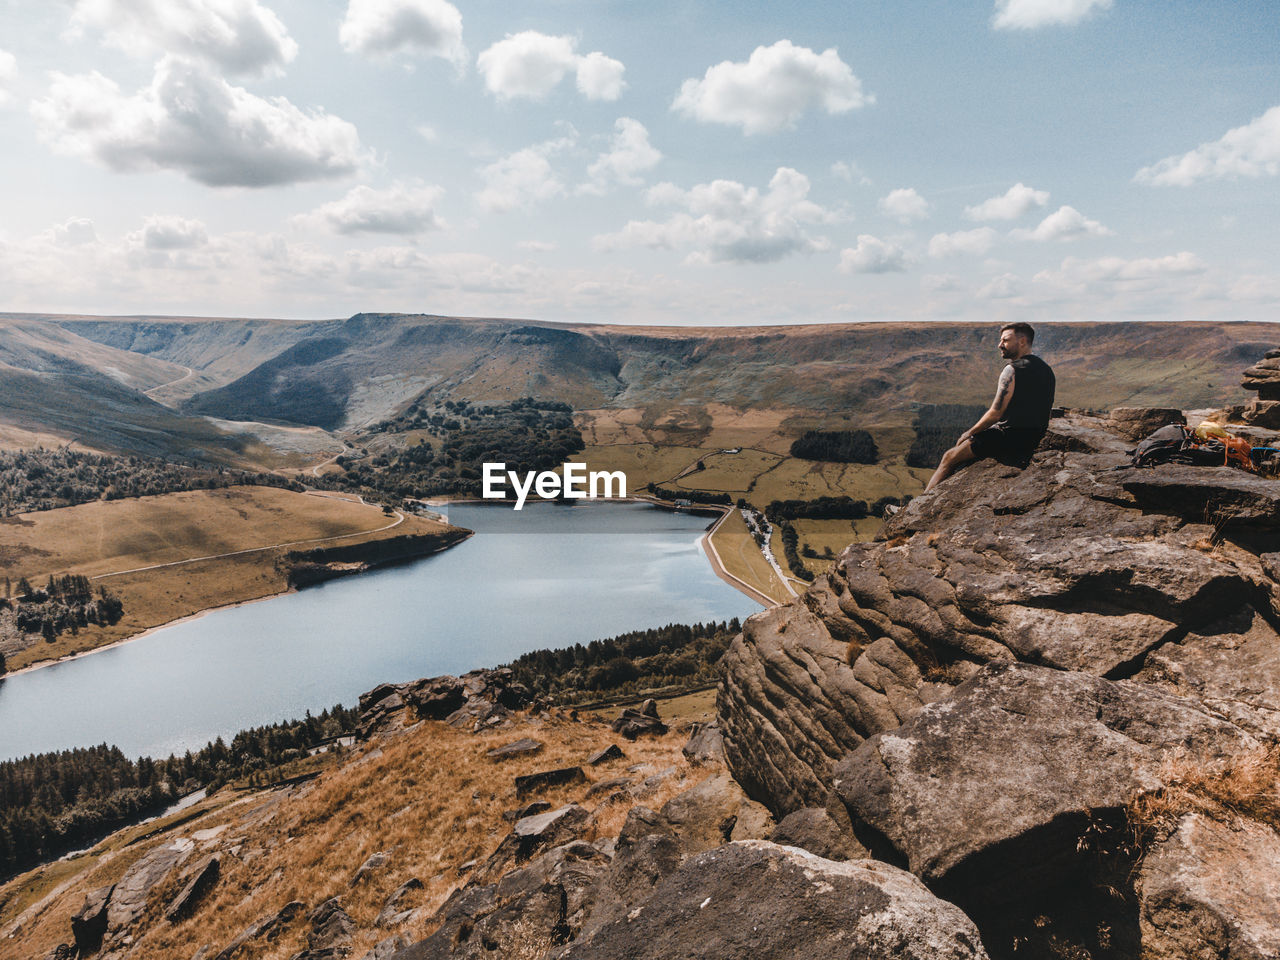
[537, 246]
[193, 122]
[1012, 204]
[727, 222]
[530, 65]
[600, 77]
[171, 233]
[240, 37]
[522, 179]
[873, 255]
[1119, 270]
[8, 73]
[400, 209]
[75, 232]
[1004, 287]
[1065, 223]
[975, 242]
[850, 173]
[630, 154]
[904, 205]
[1033, 14]
[1252, 150]
[772, 89]
[381, 28]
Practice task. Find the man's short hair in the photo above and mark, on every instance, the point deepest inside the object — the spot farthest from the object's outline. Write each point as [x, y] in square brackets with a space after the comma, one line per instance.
[1021, 329]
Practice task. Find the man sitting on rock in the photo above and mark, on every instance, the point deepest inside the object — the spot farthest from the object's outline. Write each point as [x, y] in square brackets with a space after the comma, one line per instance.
[1019, 415]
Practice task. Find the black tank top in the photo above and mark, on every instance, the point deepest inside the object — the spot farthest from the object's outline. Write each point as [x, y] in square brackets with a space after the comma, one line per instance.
[1032, 401]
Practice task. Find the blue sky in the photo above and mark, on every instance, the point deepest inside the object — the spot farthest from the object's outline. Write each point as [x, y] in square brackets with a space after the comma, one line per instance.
[663, 162]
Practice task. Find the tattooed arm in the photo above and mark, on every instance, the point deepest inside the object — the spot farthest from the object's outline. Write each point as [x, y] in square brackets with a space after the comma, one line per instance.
[1004, 393]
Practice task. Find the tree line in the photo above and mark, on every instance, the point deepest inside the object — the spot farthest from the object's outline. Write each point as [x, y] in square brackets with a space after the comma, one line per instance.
[47, 478]
[52, 803]
[66, 603]
[836, 446]
[674, 655]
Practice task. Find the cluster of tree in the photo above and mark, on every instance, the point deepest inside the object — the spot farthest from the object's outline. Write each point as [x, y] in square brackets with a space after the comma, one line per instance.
[66, 603]
[43, 479]
[823, 508]
[677, 655]
[693, 496]
[836, 446]
[525, 434]
[52, 803]
[791, 548]
[937, 427]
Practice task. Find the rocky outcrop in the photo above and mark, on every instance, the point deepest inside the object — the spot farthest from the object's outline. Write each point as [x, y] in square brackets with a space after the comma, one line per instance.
[202, 877]
[632, 722]
[756, 899]
[263, 930]
[89, 923]
[472, 701]
[1212, 890]
[1079, 563]
[128, 900]
[1137, 423]
[1264, 376]
[987, 794]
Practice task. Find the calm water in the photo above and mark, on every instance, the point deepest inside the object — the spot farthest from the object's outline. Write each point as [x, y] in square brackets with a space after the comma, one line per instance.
[548, 576]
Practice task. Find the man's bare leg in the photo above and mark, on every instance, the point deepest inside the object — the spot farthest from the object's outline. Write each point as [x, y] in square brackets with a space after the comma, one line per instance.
[960, 454]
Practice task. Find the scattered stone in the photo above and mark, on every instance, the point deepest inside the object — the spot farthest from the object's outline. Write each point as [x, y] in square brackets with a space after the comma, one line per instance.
[89, 924]
[374, 863]
[264, 929]
[525, 747]
[633, 723]
[706, 744]
[528, 810]
[63, 951]
[611, 752]
[330, 935]
[386, 949]
[823, 831]
[650, 784]
[548, 778]
[1212, 890]
[532, 835]
[607, 786]
[203, 876]
[393, 912]
[756, 899]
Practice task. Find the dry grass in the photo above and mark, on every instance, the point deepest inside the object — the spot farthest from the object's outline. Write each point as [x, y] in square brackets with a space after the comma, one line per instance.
[103, 538]
[1243, 786]
[427, 796]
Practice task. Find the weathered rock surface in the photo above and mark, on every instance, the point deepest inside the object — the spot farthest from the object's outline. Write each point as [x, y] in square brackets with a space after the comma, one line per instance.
[987, 794]
[715, 812]
[330, 934]
[524, 747]
[824, 832]
[129, 898]
[605, 754]
[633, 723]
[89, 923]
[532, 835]
[476, 700]
[705, 745]
[1136, 423]
[394, 909]
[263, 930]
[202, 878]
[1264, 376]
[756, 899]
[521, 916]
[532, 782]
[1212, 891]
[372, 864]
[1078, 562]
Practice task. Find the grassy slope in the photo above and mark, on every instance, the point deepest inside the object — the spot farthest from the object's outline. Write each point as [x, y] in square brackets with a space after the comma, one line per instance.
[101, 539]
[428, 796]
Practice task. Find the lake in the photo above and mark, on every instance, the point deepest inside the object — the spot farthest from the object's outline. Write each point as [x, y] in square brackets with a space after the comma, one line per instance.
[550, 575]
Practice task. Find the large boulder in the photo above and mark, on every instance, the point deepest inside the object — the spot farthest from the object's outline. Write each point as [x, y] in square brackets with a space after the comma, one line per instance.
[989, 792]
[132, 893]
[1078, 562]
[1211, 891]
[757, 899]
[1264, 376]
[1136, 423]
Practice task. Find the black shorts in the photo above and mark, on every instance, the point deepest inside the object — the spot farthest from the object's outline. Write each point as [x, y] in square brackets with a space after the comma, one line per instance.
[1011, 445]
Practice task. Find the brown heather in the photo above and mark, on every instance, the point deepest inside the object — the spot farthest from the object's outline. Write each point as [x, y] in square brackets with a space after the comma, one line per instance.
[428, 796]
[1244, 786]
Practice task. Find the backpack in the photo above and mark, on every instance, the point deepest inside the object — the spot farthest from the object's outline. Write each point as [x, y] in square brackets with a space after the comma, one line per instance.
[1161, 447]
